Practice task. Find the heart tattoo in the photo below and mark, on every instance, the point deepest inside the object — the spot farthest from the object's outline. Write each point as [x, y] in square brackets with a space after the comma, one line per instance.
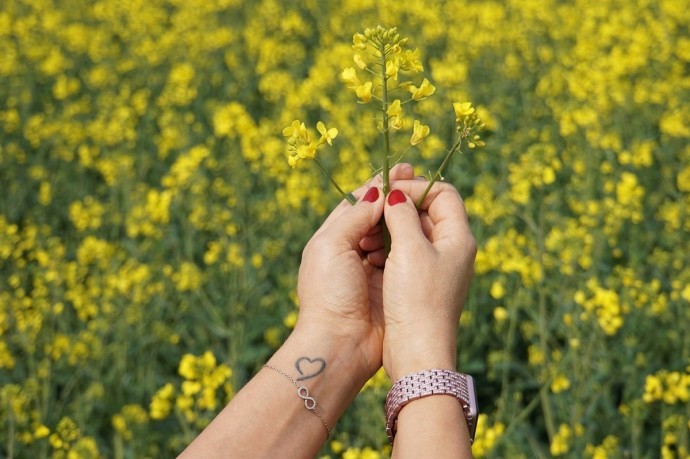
[308, 368]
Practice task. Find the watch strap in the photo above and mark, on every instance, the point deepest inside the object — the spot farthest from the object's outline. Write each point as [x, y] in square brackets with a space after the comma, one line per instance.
[431, 382]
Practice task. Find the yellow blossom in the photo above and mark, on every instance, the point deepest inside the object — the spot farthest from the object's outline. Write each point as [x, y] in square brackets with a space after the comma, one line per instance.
[349, 77]
[419, 132]
[395, 108]
[560, 383]
[560, 443]
[307, 151]
[396, 122]
[462, 110]
[392, 68]
[363, 92]
[359, 61]
[327, 135]
[500, 313]
[412, 61]
[359, 41]
[425, 90]
[297, 130]
[497, 290]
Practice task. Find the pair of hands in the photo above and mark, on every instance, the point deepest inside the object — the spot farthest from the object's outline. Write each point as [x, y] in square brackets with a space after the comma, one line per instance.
[406, 315]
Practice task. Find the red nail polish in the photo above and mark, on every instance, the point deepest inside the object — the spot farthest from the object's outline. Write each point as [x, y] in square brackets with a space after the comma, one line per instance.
[396, 197]
[372, 195]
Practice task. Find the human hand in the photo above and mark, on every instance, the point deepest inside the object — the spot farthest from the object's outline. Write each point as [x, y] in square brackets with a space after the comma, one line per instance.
[426, 278]
[340, 278]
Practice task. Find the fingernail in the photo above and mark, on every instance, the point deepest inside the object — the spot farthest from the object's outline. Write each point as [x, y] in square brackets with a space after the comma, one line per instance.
[396, 197]
[372, 195]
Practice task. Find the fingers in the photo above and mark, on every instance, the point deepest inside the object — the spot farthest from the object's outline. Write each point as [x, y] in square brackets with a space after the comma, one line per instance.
[372, 241]
[442, 203]
[354, 223]
[377, 258]
[401, 171]
[402, 219]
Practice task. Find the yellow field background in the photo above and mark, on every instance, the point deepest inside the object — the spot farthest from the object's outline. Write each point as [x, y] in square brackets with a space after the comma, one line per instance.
[151, 228]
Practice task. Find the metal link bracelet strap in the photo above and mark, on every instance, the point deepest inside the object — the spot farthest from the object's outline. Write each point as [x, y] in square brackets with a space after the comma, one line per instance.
[303, 393]
[431, 382]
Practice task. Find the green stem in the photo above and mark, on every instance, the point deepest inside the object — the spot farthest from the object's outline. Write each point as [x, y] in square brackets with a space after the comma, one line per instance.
[543, 326]
[10, 432]
[439, 172]
[351, 199]
[384, 109]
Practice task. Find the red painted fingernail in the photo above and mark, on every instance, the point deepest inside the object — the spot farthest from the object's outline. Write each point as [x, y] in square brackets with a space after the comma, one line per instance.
[372, 195]
[396, 197]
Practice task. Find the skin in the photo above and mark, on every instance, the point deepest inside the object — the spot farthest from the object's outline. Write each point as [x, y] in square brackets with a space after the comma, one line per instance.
[426, 280]
[355, 316]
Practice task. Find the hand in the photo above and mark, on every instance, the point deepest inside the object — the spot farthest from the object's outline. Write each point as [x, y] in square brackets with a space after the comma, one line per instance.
[426, 278]
[341, 276]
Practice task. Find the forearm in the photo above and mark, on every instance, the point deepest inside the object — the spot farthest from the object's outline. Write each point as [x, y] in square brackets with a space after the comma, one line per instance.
[432, 426]
[435, 425]
[268, 418]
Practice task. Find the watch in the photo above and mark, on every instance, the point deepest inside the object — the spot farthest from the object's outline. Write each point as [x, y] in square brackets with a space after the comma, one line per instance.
[432, 382]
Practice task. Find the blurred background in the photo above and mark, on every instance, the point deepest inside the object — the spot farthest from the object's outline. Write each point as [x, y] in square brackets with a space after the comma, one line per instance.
[151, 228]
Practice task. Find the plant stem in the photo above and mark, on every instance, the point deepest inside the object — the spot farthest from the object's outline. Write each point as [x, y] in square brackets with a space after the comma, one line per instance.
[384, 109]
[351, 199]
[439, 172]
[543, 326]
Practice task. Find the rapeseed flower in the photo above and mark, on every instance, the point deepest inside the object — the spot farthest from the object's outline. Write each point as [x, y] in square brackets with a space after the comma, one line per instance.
[419, 132]
[424, 90]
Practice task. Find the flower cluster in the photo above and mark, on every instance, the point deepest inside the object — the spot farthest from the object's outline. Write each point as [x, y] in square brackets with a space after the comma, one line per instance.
[671, 387]
[382, 55]
[300, 143]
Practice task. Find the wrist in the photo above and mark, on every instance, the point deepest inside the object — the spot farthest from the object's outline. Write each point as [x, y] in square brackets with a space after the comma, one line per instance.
[326, 367]
[402, 357]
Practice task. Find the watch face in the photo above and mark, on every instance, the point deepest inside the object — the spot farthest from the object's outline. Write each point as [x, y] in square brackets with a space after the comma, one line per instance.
[473, 406]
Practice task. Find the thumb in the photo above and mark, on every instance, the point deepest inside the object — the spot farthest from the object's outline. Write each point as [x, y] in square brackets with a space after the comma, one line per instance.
[402, 219]
[353, 224]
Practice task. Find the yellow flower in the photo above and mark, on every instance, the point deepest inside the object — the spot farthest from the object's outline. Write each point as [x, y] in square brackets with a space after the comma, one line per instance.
[560, 384]
[683, 179]
[327, 135]
[187, 367]
[337, 446]
[191, 387]
[297, 130]
[425, 90]
[360, 61]
[307, 151]
[290, 320]
[394, 109]
[462, 109]
[559, 445]
[363, 91]
[396, 122]
[359, 41]
[42, 431]
[497, 291]
[653, 389]
[500, 314]
[392, 68]
[412, 61]
[419, 132]
[349, 77]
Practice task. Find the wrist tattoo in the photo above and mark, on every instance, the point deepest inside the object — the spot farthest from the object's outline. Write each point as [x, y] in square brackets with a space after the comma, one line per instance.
[309, 368]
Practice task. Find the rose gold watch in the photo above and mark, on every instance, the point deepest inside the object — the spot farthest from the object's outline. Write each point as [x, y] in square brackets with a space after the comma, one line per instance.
[431, 382]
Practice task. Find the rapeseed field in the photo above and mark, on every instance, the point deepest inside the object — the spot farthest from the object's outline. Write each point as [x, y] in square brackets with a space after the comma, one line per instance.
[151, 225]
